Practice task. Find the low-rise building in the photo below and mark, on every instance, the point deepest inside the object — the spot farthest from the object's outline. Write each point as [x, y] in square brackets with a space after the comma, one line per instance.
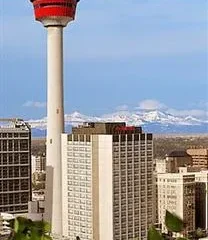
[185, 194]
[199, 156]
[176, 193]
[177, 159]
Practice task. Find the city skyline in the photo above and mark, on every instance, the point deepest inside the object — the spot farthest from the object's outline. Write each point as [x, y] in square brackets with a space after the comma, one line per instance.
[151, 49]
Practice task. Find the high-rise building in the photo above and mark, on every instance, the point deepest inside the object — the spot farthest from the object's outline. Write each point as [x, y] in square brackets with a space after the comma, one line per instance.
[15, 166]
[176, 193]
[199, 156]
[107, 169]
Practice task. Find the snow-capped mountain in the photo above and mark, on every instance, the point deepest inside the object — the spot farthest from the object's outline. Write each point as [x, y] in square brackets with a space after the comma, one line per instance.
[155, 121]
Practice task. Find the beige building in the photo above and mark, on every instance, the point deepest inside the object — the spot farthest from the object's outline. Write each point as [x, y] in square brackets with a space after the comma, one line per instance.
[15, 166]
[199, 156]
[176, 193]
[107, 170]
[38, 163]
[160, 166]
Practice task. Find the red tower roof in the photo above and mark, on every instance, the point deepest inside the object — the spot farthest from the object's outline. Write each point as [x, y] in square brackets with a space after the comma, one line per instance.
[57, 9]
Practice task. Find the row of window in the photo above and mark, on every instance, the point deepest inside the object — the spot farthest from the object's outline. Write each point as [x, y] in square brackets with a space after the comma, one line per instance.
[14, 135]
[75, 154]
[79, 190]
[79, 160]
[80, 212]
[75, 143]
[14, 208]
[79, 178]
[78, 172]
[14, 198]
[80, 201]
[79, 166]
[80, 149]
[79, 195]
[135, 142]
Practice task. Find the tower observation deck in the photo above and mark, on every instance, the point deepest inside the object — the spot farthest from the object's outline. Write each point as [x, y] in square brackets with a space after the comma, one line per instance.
[54, 12]
[54, 15]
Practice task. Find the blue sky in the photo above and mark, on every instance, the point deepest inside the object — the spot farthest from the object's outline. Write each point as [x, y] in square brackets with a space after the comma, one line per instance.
[118, 54]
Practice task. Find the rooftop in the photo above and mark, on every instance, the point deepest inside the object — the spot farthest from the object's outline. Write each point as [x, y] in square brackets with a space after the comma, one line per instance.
[106, 128]
[178, 153]
[13, 123]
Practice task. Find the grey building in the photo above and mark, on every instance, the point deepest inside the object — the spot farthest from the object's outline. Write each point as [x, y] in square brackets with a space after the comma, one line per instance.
[15, 166]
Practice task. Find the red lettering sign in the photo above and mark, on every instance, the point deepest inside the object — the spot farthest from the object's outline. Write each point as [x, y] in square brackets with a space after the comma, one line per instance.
[125, 128]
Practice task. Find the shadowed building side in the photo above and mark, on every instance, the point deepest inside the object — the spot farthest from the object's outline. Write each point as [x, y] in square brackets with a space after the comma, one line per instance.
[177, 159]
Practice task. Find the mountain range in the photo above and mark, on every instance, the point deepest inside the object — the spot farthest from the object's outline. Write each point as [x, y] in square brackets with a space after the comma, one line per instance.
[153, 121]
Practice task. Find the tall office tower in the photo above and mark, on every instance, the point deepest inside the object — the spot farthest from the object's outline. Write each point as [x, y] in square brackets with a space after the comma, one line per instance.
[176, 193]
[15, 166]
[54, 15]
[199, 156]
[107, 171]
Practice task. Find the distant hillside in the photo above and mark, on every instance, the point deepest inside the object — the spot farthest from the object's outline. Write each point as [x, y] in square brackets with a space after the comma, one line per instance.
[162, 144]
[151, 121]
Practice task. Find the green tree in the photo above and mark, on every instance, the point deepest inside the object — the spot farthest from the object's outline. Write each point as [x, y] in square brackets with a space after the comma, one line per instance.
[173, 224]
[26, 229]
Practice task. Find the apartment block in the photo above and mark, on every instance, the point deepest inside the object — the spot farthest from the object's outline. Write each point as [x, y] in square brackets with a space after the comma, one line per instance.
[107, 176]
[15, 165]
[199, 156]
[176, 193]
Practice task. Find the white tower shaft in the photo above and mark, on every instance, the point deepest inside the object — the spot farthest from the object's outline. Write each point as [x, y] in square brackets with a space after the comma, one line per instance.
[55, 126]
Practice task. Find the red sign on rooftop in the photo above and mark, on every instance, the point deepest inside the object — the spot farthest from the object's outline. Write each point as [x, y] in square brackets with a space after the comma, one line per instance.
[125, 128]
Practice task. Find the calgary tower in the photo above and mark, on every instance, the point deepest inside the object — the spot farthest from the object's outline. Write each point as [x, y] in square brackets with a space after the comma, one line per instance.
[54, 15]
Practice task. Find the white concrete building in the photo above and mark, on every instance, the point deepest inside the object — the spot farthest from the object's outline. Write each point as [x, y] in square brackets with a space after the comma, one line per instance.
[107, 182]
[160, 165]
[38, 163]
[176, 193]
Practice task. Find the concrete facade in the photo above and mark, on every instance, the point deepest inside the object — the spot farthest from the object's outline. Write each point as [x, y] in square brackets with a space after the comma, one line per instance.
[176, 193]
[107, 169]
[38, 164]
[15, 166]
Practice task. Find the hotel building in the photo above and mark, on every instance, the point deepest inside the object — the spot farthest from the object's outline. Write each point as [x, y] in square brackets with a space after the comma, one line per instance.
[107, 177]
